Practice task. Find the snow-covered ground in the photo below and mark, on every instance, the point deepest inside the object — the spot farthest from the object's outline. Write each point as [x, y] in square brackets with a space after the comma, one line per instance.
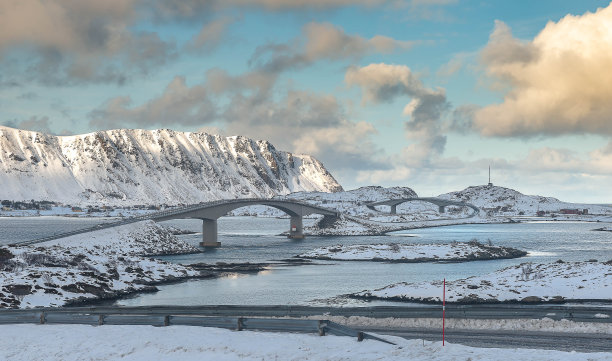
[354, 226]
[541, 325]
[509, 202]
[100, 264]
[556, 282]
[455, 251]
[78, 342]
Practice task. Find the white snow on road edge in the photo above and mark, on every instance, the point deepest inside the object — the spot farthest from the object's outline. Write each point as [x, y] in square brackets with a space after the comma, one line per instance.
[78, 342]
[542, 325]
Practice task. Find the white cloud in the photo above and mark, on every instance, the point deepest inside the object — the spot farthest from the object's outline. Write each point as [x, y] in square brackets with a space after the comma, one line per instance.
[384, 82]
[559, 83]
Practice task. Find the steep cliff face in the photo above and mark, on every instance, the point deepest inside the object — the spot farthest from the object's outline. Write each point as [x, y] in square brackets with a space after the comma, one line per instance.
[122, 167]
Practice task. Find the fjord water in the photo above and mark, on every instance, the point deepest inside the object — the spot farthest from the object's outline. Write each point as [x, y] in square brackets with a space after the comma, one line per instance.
[246, 239]
[250, 239]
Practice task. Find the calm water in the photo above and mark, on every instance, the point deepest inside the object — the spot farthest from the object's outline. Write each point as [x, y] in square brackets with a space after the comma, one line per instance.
[247, 239]
[14, 229]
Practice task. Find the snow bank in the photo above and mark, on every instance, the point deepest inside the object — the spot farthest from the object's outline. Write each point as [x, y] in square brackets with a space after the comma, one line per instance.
[526, 282]
[48, 342]
[456, 252]
[140, 238]
[97, 265]
[606, 229]
[542, 325]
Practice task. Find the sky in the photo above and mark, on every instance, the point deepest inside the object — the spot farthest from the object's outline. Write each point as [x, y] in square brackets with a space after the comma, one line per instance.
[420, 93]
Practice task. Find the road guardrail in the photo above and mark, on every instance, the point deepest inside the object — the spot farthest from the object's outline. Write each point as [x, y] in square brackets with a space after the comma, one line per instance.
[320, 327]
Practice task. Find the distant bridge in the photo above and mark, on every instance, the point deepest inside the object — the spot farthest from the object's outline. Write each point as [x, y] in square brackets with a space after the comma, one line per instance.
[209, 212]
[440, 202]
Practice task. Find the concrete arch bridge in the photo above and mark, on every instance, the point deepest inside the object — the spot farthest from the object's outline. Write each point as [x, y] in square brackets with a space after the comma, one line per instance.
[440, 202]
[211, 211]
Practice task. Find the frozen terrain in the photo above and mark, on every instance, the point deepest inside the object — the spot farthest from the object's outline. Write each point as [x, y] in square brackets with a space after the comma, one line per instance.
[95, 265]
[126, 167]
[452, 252]
[550, 282]
[506, 201]
[48, 342]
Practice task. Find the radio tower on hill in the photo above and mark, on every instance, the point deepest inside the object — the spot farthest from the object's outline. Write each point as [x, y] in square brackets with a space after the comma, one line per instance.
[490, 184]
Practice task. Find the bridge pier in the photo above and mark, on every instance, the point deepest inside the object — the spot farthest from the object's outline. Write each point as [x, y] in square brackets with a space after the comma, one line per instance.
[296, 228]
[394, 209]
[441, 209]
[209, 233]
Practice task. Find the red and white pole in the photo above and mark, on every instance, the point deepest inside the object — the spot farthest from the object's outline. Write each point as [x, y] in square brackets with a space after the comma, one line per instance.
[443, 308]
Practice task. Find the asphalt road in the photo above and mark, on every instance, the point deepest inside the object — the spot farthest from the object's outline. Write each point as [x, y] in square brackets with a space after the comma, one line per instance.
[562, 341]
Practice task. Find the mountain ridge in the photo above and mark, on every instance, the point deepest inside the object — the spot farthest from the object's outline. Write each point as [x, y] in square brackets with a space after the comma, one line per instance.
[162, 166]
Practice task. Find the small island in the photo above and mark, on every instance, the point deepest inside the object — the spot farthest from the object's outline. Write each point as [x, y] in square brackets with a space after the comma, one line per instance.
[414, 253]
[104, 264]
[525, 283]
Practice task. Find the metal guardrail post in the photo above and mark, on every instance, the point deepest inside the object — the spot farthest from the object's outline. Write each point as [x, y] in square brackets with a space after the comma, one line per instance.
[239, 324]
[321, 328]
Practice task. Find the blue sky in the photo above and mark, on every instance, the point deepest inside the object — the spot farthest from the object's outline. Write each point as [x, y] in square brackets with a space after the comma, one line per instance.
[418, 93]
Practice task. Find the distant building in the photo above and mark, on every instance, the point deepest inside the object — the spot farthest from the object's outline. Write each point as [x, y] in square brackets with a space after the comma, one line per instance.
[570, 211]
[77, 209]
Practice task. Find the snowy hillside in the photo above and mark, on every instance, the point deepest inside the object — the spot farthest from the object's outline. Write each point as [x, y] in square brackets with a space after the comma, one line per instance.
[511, 202]
[351, 202]
[122, 167]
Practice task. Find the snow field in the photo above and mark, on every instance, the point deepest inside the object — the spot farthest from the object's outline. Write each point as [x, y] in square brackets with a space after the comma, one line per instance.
[79, 342]
[525, 282]
[98, 264]
[456, 251]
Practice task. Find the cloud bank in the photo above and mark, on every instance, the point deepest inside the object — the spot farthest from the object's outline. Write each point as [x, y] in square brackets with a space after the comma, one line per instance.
[558, 83]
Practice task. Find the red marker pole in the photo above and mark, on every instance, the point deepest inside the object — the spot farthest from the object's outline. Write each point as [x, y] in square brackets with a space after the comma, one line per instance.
[443, 308]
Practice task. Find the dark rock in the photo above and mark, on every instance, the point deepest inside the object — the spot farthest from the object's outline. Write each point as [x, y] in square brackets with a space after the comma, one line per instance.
[19, 290]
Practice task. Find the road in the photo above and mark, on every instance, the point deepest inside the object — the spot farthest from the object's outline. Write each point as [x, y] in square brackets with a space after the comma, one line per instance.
[562, 341]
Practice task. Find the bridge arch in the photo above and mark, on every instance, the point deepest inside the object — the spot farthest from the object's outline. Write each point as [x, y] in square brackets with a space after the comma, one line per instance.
[211, 211]
[440, 202]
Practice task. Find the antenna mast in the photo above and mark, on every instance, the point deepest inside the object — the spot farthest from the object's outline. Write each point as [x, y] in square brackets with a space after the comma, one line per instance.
[490, 184]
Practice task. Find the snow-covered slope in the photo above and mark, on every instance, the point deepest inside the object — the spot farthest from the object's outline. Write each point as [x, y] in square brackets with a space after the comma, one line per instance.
[124, 166]
[511, 202]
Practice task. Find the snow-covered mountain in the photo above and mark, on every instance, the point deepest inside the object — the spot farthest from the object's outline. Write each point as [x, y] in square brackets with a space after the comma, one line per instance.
[123, 167]
[510, 201]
